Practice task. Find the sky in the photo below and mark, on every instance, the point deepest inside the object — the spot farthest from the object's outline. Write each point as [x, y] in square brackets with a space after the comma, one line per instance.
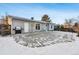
[57, 12]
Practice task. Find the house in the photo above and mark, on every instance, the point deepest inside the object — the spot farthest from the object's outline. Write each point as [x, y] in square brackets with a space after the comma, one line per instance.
[23, 25]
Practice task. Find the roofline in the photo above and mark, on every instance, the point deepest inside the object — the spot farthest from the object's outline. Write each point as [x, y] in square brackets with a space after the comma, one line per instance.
[25, 19]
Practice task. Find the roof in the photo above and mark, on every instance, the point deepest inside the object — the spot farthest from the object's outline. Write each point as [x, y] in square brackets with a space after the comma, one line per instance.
[25, 19]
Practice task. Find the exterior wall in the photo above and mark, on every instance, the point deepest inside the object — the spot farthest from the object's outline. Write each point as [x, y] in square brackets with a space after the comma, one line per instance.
[42, 27]
[32, 25]
[17, 23]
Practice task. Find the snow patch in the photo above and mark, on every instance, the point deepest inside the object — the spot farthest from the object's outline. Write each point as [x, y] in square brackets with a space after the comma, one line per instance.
[41, 39]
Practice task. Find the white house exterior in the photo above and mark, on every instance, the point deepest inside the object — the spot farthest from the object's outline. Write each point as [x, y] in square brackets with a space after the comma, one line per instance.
[28, 25]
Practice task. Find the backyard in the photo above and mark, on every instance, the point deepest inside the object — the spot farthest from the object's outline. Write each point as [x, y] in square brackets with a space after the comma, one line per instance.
[41, 39]
[40, 43]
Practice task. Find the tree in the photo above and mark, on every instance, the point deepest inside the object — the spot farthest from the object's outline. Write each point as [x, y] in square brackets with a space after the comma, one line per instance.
[57, 27]
[77, 26]
[68, 23]
[46, 18]
[61, 27]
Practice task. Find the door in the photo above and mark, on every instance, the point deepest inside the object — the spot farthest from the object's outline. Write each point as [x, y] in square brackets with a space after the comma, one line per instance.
[26, 27]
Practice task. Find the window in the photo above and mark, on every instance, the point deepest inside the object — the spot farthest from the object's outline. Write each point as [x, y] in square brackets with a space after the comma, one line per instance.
[37, 26]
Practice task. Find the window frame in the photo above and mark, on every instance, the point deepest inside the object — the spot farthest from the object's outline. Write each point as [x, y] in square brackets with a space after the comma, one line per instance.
[37, 27]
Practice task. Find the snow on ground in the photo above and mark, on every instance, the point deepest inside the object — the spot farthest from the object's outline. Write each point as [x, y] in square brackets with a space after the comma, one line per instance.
[9, 46]
[42, 39]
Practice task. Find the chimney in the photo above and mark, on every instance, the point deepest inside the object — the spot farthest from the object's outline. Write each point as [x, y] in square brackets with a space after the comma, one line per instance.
[32, 18]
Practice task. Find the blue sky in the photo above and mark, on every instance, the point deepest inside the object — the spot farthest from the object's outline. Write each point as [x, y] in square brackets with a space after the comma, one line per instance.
[56, 11]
